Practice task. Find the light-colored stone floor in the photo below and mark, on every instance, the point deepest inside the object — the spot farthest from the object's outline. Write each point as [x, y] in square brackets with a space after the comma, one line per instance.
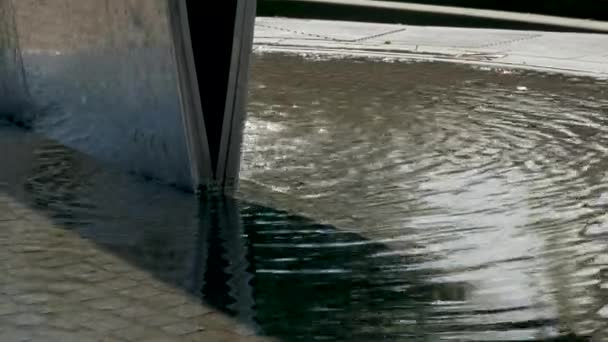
[572, 53]
[56, 286]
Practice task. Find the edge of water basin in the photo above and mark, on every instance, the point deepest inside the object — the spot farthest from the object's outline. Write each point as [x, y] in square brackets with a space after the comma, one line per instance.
[338, 52]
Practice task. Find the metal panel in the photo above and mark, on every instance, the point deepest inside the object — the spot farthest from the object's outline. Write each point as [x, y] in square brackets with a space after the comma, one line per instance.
[235, 112]
[216, 55]
[126, 81]
[191, 102]
[102, 79]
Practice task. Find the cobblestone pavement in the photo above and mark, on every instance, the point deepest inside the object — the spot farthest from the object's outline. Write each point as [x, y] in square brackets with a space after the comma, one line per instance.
[56, 286]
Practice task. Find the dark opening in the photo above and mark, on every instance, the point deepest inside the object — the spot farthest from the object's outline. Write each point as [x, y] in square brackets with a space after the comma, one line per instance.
[212, 34]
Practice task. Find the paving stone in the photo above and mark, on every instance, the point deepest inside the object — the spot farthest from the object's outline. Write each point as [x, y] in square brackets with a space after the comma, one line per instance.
[33, 298]
[118, 267]
[165, 339]
[136, 333]
[42, 309]
[190, 311]
[138, 275]
[109, 339]
[97, 276]
[8, 308]
[119, 284]
[183, 328]
[108, 303]
[100, 322]
[51, 263]
[136, 311]
[28, 319]
[64, 287]
[64, 322]
[158, 320]
[34, 272]
[63, 336]
[29, 249]
[15, 335]
[19, 287]
[140, 333]
[86, 294]
[168, 300]
[140, 292]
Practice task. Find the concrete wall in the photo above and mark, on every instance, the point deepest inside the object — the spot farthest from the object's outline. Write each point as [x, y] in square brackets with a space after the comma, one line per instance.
[100, 76]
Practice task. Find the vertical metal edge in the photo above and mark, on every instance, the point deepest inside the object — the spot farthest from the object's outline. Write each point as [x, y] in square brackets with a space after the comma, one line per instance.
[190, 97]
[231, 90]
[235, 113]
[13, 87]
[240, 107]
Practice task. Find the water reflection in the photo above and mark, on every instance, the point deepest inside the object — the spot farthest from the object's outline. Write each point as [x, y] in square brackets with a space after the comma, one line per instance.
[272, 270]
[451, 208]
[491, 175]
[280, 273]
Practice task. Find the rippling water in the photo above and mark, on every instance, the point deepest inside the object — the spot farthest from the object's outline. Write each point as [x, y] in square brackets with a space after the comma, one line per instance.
[487, 187]
[394, 201]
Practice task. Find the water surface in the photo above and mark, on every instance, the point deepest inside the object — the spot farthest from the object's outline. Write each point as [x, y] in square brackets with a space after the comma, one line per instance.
[381, 202]
[486, 187]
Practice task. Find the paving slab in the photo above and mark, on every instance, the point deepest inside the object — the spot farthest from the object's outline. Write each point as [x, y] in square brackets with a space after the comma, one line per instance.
[562, 52]
[56, 286]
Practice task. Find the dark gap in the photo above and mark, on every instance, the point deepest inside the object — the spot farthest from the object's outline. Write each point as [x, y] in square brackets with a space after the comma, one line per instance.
[212, 38]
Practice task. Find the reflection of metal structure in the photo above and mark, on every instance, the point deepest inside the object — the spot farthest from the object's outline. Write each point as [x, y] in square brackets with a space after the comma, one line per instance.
[154, 86]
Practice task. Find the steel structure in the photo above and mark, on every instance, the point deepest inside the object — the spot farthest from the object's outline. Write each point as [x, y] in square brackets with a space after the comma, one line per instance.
[157, 87]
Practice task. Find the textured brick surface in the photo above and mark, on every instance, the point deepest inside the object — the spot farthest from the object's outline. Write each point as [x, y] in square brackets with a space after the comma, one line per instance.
[55, 286]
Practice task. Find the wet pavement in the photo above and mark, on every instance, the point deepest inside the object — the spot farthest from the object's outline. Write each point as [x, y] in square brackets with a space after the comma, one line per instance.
[54, 286]
[380, 201]
[90, 254]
